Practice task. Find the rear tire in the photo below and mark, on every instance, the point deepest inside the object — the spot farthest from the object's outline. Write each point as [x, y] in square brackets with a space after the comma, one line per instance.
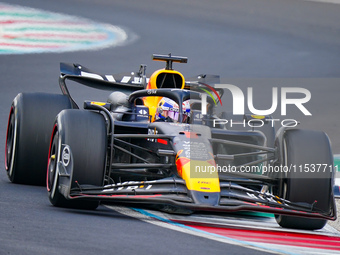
[29, 127]
[302, 147]
[85, 134]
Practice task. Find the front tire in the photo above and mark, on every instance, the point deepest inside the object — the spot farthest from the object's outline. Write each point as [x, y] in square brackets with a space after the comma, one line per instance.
[29, 126]
[306, 148]
[85, 134]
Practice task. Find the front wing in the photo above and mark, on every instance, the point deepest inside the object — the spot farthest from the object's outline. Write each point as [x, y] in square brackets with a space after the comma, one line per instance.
[172, 193]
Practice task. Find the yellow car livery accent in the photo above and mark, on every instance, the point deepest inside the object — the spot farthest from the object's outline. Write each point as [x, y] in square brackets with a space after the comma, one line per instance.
[152, 104]
[154, 84]
[198, 175]
[153, 101]
[98, 103]
[260, 117]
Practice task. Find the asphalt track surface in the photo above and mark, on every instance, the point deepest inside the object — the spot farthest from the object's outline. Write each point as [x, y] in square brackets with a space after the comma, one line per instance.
[261, 43]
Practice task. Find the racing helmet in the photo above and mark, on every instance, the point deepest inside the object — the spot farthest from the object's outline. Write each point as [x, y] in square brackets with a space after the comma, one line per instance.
[168, 110]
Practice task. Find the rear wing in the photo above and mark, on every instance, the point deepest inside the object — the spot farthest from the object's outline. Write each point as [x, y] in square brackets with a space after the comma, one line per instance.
[130, 82]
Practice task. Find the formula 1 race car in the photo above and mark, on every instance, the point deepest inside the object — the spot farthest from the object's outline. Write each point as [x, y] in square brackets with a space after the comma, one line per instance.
[158, 141]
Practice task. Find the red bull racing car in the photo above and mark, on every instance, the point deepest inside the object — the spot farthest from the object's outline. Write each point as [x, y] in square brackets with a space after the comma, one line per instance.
[157, 141]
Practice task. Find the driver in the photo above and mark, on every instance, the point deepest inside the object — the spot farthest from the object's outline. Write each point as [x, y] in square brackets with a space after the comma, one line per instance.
[168, 111]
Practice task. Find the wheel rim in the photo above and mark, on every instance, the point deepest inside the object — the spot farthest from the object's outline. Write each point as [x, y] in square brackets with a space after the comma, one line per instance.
[10, 142]
[52, 174]
[283, 185]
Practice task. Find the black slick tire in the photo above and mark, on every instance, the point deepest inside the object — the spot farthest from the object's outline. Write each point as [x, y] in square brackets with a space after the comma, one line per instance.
[85, 134]
[29, 127]
[302, 150]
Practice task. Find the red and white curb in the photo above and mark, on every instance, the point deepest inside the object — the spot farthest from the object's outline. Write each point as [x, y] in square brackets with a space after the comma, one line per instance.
[253, 232]
[27, 30]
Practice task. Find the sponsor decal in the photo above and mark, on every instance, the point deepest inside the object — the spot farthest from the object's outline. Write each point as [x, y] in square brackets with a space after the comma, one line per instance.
[128, 185]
